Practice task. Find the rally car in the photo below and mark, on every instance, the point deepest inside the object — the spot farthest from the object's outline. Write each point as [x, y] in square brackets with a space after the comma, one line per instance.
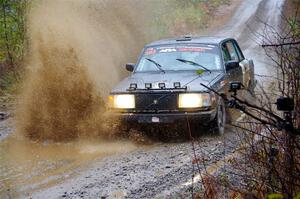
[165, 83]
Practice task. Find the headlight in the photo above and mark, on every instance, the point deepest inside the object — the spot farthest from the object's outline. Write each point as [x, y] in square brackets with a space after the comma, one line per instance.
[122, 101]
[194, 100]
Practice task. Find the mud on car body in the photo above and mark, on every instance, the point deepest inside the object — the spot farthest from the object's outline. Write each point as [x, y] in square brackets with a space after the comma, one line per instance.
[165, 84]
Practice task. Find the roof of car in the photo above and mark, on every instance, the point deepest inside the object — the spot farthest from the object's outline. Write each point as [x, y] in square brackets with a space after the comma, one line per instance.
[188, 39]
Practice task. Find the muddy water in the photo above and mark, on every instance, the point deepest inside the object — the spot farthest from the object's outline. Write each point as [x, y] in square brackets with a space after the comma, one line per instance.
[76, 50]
[27, 166]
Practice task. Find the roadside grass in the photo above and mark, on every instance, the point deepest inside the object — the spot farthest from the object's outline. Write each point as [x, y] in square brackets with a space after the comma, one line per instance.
[183, 17]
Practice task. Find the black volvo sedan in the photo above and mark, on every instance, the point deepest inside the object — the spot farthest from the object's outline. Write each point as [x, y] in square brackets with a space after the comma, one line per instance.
[165, 83]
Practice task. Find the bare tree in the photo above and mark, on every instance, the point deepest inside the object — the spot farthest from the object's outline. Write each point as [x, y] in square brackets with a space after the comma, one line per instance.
[268, 161]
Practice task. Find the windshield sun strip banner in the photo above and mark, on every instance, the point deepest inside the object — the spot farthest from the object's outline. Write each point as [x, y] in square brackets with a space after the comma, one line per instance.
[170, 49]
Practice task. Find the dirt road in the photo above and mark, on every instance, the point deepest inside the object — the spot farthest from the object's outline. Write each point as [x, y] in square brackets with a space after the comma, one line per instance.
[93, 169]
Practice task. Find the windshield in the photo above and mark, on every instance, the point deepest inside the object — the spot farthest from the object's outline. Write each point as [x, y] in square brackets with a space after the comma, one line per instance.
[168, 58]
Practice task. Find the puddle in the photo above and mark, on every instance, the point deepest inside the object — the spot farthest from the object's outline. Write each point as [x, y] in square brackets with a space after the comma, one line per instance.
[27, 166]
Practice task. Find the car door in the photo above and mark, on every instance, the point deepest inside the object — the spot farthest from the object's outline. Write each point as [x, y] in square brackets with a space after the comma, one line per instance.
[231, 54]
[247, 67]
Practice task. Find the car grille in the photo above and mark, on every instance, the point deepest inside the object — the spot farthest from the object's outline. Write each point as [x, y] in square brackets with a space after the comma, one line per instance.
[156, 102]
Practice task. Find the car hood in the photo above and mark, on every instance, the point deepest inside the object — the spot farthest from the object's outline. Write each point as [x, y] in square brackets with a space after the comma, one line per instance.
[189, 78]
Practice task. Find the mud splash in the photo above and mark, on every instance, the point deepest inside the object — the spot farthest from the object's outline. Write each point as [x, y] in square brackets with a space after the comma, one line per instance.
[76, 51]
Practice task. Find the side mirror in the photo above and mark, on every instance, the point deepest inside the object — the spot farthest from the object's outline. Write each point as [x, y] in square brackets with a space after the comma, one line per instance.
[232, 65]
[130, 67]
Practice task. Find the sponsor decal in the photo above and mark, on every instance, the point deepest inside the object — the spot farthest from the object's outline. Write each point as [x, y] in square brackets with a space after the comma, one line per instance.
[168, 50]
[150, 51]
[193, 49]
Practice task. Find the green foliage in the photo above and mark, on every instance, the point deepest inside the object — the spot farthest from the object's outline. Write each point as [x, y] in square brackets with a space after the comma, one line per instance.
[12, 29]
[297, 196]
[275, 196]
[295, 27]
[224, 178]
[12, 39]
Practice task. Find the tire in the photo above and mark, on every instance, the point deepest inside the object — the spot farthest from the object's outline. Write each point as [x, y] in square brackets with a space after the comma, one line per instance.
[219, 123]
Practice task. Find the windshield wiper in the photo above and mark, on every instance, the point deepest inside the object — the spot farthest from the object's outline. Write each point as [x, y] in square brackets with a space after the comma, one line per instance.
[156, 64]
[193, 63]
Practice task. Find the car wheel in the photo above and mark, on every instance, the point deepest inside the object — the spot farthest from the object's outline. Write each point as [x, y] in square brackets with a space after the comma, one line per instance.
[220, 119]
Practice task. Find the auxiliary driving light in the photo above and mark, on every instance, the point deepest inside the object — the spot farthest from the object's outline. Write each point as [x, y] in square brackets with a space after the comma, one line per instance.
[162, 85]
[194, 100]
[133, 86]
[122, 101]
[148, 85]
[176, 84]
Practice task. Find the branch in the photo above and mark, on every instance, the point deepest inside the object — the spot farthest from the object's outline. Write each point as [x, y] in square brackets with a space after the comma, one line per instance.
[282, 44]
[257, 107]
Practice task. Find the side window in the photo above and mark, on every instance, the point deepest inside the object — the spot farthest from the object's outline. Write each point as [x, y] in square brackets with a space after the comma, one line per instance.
[238, 50]
[232, 51]
[225, 52]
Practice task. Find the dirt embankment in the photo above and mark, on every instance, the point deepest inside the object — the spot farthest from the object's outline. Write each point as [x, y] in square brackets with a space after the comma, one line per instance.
[221, 16]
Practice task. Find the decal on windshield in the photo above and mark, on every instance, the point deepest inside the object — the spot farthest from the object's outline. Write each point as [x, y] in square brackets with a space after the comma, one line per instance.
[151, 51]
[168, 50]
[193, 49]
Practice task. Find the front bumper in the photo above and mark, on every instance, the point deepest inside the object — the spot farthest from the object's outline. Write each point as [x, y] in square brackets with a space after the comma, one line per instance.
[201, 116]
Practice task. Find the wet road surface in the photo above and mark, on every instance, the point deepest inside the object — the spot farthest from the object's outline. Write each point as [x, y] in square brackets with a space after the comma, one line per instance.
[29, 166]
